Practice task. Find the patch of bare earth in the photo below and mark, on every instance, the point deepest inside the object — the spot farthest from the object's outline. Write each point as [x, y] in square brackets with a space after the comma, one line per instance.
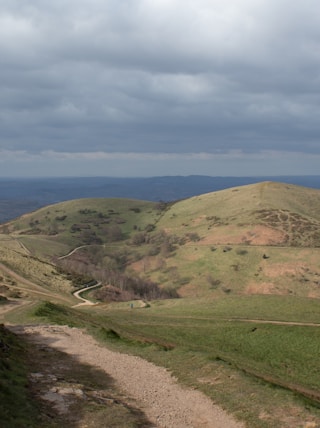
[262, 288]
[190, 290]
[147, 263]
[11, 305]
[256, 235]
[284, 269]
[155, 392]
[192, 257]
[309, 279]
[198, 220]
[314, 294]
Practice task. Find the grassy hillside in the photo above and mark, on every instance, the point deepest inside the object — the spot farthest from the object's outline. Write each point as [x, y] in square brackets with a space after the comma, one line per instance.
[219, 243]
[264, 214]
[259, 214]
[85, 221]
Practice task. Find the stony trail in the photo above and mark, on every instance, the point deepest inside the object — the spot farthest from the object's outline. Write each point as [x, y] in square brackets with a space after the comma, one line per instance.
[165, 403]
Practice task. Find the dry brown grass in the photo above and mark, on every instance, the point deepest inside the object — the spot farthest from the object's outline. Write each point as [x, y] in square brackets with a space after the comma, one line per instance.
[255, 235]
[35, 271]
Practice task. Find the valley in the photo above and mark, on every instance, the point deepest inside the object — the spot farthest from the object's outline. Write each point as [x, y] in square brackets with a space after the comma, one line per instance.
[222, 289]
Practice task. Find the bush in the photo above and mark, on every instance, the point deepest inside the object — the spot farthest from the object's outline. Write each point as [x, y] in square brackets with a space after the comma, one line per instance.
[138, 238]
[135, 209]
[193, 236]
[213, 282]
[61, 218]
[3, 299]
[149, 228]
[241, 252]
[154, 250]
[184, 280]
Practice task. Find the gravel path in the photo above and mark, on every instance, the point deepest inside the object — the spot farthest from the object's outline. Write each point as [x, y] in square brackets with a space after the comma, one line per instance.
[165, 403]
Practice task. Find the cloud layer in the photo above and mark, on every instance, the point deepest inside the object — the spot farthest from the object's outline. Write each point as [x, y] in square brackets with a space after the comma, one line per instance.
[159, 76]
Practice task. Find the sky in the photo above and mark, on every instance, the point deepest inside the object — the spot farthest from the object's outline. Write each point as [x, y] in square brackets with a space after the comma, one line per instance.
[159, 87]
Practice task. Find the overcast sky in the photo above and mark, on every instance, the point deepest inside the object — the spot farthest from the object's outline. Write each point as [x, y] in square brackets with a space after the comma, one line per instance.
[159, 87]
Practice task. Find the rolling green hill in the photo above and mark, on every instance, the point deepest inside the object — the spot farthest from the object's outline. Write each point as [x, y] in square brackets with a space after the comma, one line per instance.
[230, 241]
[85, 221]
[264, 214]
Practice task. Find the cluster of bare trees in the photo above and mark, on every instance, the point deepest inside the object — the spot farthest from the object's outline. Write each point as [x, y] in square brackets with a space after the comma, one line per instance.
[159, 243]
[82, 266]
[124, 287]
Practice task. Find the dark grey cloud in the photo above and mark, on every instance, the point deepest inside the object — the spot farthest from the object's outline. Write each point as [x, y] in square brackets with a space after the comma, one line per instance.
[159, 76]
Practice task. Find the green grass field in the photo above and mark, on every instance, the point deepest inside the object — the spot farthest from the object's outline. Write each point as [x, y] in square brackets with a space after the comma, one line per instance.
[206, 345]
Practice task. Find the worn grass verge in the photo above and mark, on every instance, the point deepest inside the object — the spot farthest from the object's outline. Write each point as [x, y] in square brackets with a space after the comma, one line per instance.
[102, 328]
[17, 409]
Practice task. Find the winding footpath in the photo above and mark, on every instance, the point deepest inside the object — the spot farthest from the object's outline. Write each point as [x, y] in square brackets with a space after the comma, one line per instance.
[84, 301]
[165, 403]
[72, 252]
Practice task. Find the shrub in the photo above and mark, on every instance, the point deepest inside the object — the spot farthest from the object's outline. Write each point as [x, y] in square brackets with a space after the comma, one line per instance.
[193, 236]
[3, 299]
[149, 228]
[154, 250]
[241, 252]
[213, 282]
[139, 238]
[87, 211]
[61, 218]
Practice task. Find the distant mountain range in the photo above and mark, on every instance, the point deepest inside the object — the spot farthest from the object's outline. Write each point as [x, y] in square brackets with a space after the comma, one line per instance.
[18, 196]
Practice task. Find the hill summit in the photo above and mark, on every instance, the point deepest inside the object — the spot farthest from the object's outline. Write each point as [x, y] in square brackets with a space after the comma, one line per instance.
[267, 213]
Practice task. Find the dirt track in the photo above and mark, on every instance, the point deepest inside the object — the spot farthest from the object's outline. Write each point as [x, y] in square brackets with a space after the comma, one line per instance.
[31, 287]
[165, 403]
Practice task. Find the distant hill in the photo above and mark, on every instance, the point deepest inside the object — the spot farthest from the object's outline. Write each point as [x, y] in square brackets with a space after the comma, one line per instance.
[266, 213]
[261, 238]
[18, 196]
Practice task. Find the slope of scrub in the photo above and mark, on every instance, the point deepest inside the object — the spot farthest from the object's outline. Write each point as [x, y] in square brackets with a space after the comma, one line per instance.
[81, 222]
[260, 214]
[257, 239]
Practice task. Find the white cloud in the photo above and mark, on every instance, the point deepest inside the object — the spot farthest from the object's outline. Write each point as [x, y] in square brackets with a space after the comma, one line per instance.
[232, 163]
[23, 156]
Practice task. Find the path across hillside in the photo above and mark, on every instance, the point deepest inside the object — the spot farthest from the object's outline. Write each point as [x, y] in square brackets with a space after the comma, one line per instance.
[83, 300]
[165, 403]
[31, 287]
